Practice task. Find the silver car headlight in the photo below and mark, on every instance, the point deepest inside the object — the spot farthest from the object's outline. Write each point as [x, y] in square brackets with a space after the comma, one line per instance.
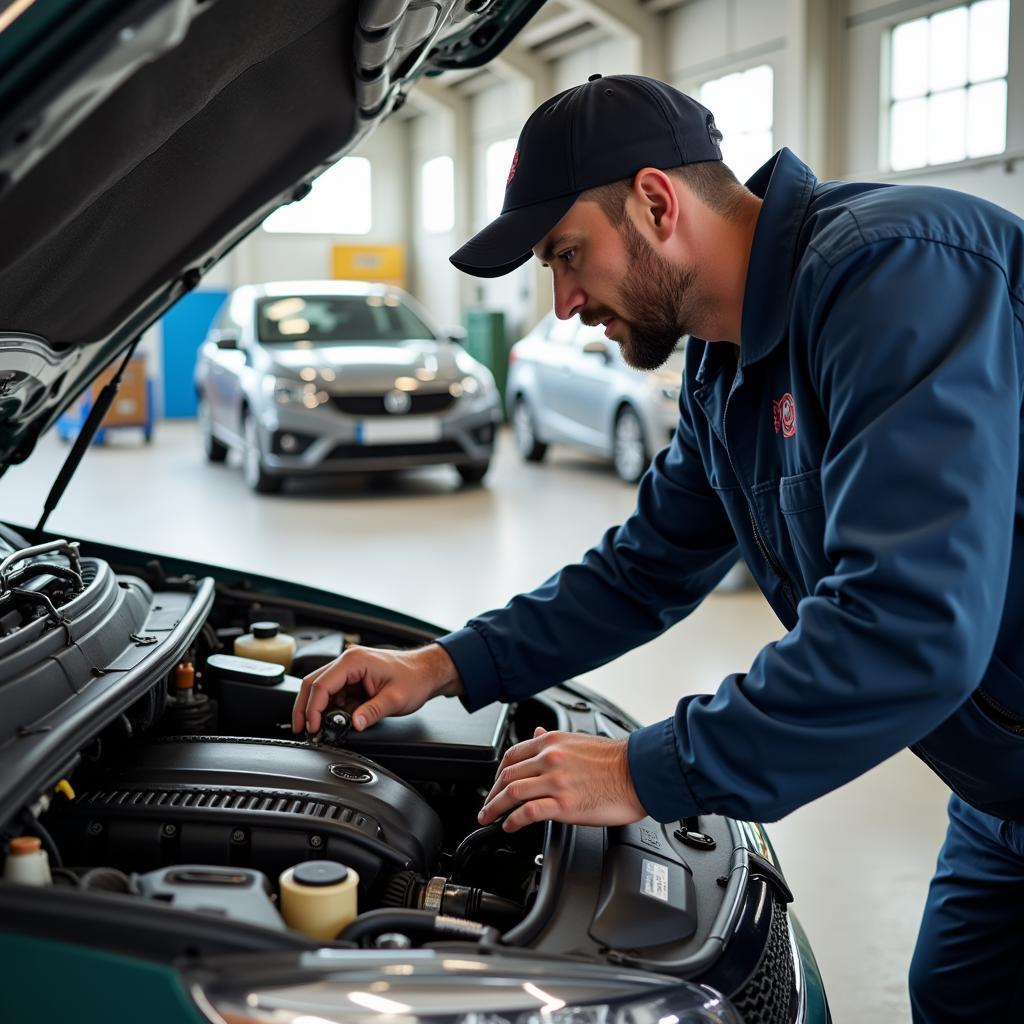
[671, 393]
[284, 390]
[472, 386]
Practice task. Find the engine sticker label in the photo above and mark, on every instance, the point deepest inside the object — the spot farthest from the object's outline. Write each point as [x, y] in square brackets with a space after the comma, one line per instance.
[654, 880]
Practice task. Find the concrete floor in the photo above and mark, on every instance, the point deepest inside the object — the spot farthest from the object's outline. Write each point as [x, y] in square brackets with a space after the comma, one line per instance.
[858, 860]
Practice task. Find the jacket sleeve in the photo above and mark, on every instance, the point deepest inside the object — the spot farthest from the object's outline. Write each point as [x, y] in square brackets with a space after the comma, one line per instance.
[641, 578]
[911, 345]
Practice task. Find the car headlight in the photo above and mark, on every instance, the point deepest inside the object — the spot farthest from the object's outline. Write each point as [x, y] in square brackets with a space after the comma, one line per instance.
[472, 386]
[285, 390]
[421, 993]
[671, 393]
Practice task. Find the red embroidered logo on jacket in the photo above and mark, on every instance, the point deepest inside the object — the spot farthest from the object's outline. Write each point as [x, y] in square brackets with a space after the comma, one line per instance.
[512, 169]
[784, 415]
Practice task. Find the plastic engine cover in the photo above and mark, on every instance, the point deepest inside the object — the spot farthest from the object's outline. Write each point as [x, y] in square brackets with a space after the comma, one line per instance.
[264, 804]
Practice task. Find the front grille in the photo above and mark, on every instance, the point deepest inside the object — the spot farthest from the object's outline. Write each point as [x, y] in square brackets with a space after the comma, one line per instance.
[373, 405]
[372, 451]
[770, 994]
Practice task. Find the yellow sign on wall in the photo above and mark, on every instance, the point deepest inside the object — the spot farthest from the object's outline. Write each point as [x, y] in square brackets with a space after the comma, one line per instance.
[379, 263]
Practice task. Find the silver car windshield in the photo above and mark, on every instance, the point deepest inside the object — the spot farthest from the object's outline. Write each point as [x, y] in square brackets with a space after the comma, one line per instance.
[329, 319]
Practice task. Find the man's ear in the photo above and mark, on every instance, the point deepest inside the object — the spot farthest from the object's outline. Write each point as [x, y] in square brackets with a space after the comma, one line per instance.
[656, 201]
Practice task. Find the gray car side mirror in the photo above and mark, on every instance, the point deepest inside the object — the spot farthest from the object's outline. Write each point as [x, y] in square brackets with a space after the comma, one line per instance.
[597, 348]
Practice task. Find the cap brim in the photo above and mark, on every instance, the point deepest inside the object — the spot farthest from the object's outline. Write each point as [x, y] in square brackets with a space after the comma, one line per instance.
[508, 241]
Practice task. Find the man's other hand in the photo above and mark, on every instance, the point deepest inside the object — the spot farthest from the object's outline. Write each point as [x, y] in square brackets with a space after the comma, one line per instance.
[568, 777]
[373, 684]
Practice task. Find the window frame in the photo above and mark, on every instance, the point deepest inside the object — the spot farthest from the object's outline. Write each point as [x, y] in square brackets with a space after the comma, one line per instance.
[889, 102]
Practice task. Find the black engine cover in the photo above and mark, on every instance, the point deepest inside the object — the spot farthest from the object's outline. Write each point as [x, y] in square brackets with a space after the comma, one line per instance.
[264, 804]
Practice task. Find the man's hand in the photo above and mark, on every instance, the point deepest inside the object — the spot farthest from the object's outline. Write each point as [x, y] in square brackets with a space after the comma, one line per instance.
[397, 683]
[560, 776]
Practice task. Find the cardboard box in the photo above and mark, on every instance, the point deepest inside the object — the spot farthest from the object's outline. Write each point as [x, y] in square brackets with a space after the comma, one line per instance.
[129, 408]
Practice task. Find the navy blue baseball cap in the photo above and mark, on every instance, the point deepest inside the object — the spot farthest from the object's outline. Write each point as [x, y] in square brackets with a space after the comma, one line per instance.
[602, 131]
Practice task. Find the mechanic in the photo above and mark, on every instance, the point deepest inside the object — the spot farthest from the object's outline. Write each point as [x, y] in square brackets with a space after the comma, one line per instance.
[850, 423]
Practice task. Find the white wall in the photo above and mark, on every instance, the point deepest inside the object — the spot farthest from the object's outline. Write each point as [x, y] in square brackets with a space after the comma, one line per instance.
[499, 113]
[865, 30]
[434, 281]
[269, 256]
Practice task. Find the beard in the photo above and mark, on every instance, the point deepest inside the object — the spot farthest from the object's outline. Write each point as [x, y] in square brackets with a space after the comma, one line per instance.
[657, 300]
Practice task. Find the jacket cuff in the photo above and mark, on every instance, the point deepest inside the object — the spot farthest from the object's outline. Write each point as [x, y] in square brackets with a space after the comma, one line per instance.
[654, 769]
[475, 666]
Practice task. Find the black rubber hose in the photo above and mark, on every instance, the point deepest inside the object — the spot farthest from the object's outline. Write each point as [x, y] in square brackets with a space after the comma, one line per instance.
[416, 923]
[30, 572]
[469, 844]
[32, 824]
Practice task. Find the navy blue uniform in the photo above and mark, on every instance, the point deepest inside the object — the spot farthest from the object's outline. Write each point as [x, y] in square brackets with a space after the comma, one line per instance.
[861, 452]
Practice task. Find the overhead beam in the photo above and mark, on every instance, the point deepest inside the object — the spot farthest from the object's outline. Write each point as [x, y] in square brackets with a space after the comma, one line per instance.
[517, 63]
[659, 6]
[562, 47]
[535, 34]
[629, 19]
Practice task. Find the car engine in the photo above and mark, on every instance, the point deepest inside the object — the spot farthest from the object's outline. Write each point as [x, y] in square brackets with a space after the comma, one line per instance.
[155, 765]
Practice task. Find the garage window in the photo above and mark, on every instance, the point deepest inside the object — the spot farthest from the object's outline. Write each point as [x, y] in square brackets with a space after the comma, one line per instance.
[437, 195]
[338, 203]
[743, 107]
[947, 85]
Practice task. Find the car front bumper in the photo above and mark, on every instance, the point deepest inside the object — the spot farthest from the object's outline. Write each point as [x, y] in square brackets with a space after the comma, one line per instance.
[296, 441]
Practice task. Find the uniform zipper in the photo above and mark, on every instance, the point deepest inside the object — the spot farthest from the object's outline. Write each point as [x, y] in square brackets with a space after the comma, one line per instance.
[997, 713]
[762, 544]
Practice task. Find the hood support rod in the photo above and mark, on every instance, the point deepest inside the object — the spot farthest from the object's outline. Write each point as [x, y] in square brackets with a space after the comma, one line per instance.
[85, 436]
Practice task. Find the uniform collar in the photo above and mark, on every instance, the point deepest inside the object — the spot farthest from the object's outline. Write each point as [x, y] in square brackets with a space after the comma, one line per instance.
[785, 183]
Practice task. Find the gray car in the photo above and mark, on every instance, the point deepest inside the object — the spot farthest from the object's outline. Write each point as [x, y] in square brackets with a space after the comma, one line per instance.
[568, 384]
[334, 376]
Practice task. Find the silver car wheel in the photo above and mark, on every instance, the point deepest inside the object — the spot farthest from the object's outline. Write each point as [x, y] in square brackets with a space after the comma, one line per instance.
[628, 449]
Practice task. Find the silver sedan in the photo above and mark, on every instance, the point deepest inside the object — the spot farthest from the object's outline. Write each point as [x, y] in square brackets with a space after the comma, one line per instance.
[568, 384]
[334, 376]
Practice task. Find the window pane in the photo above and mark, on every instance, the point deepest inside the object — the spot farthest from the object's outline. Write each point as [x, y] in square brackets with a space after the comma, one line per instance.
[742, 105]
[745, 153]
[710, 95]
[498, 164]
[908, 134]
[986, 118]
[757, 85]
[989, 39]
[437, 194]
[947, 126]
[947, 49]
[339, 203]
[910, 59]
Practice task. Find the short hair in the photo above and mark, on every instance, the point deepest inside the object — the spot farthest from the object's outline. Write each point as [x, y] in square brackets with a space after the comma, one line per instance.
[711, 181]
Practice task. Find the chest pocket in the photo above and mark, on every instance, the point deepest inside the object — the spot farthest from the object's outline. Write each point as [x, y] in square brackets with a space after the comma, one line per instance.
[803, 519]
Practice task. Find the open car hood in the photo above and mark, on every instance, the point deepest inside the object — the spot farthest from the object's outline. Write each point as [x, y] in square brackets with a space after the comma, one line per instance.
[140, 140]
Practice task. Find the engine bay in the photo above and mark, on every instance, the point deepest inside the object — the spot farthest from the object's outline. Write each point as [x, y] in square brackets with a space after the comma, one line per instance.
[157, 766]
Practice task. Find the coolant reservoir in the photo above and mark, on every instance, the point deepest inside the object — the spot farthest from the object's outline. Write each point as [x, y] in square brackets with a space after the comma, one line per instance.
[27, 862]
[266, 642]
[318, 898]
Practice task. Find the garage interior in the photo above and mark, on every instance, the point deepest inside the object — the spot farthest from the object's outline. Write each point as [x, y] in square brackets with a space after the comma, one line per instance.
[842, 84]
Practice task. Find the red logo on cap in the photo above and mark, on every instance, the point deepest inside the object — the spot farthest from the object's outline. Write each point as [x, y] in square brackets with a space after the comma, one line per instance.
[512, 169]
[784, 415]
